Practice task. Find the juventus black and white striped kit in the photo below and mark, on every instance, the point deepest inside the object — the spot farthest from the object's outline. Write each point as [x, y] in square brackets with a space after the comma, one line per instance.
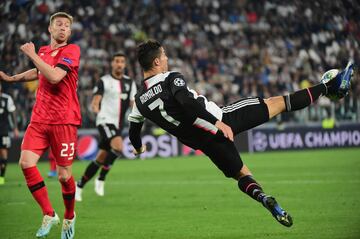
[6, 106]
[116, 97]
[166, 100]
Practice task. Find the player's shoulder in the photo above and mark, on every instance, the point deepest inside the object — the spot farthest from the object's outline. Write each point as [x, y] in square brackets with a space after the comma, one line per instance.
[106, 77]
[73, 47]
[44, 48]
[176, 78]
[171, 75]
[127, 78]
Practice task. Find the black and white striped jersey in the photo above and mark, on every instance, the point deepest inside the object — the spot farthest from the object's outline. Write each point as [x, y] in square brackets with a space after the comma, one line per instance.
[158, 100]
[6, 106]
[116, 97]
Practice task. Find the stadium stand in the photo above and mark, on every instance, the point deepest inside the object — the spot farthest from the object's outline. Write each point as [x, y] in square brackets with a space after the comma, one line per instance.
[240, 48]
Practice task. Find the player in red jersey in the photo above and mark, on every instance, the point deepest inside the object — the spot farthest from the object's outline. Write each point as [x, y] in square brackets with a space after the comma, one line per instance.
[54, 121]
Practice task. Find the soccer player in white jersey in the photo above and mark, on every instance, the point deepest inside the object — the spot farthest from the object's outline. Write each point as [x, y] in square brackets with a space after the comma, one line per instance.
[165, 99]
[113, 95]
[7, 108]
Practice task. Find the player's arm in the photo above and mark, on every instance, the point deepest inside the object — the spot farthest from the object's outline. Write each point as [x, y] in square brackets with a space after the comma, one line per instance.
[98, 93]
[135, 137]
[53, 75]
[95, 103]
[193, 108]
[136, 122]
[29, 75]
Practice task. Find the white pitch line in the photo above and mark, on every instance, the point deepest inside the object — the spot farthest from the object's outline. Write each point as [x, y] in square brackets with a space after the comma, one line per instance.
[15, 203]
[211, 182]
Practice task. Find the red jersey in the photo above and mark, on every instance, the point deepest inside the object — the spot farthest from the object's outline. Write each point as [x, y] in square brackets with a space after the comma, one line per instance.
[58, 103]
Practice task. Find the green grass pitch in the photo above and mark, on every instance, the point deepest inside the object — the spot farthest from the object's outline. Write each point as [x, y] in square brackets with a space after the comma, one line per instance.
[187, 197]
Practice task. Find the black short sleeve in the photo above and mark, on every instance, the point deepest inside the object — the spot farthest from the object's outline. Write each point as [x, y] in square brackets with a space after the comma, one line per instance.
[99, 88]
[64, 67]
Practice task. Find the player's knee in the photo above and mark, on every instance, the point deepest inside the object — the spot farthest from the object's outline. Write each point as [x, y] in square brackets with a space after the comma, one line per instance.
[64, 175]
[233, 170]
[23, 163]
[100, 161]
[116, 148]
[275, 105]
[63, 178]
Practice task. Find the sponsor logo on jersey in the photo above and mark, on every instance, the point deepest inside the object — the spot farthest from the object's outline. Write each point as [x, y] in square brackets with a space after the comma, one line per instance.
[67, 60]
[179, 82]
[127, 87]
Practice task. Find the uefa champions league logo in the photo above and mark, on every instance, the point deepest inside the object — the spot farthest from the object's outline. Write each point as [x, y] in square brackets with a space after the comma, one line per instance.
[260, 141]
[179, 82]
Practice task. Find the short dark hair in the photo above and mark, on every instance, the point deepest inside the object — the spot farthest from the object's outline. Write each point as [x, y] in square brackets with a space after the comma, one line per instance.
[147, 52]
[118, 53]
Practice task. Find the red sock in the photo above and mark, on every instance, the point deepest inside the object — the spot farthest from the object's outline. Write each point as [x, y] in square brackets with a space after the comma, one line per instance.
[38, 189]
[68, 192]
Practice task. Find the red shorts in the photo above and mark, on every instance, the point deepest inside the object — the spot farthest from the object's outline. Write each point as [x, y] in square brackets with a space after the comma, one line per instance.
[61, 139]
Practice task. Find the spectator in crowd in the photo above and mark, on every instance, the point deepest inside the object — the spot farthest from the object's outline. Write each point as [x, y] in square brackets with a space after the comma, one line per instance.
[237, 48]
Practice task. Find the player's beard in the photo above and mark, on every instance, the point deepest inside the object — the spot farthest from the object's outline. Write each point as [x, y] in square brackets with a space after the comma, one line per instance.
[118, 73]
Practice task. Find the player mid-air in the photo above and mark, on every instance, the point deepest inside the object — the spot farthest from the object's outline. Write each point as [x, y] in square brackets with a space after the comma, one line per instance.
[165, 99]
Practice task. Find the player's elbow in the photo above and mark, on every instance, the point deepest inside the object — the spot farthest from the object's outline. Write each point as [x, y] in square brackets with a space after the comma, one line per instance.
[56, 76]
[54, 80]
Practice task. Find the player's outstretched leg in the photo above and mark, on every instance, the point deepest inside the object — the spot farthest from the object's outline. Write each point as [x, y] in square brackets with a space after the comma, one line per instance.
[46, 225]
[68, 228]
[252, 188]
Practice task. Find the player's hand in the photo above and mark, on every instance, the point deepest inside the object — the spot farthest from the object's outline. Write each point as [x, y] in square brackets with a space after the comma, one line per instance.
[227, 131]
[95, 109]
[137, 152]
[28, 48]
[4, 77]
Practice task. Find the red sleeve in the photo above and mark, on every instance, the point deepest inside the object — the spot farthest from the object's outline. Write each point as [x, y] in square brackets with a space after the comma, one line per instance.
[70, 57]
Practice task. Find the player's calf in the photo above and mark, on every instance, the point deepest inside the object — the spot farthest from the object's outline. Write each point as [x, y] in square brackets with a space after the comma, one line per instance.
[249, 186]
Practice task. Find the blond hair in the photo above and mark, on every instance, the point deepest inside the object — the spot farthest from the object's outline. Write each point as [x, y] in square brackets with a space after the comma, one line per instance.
[61, 14]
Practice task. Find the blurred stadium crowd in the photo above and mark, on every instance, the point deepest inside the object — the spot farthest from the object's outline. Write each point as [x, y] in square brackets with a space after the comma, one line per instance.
[226, 49]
